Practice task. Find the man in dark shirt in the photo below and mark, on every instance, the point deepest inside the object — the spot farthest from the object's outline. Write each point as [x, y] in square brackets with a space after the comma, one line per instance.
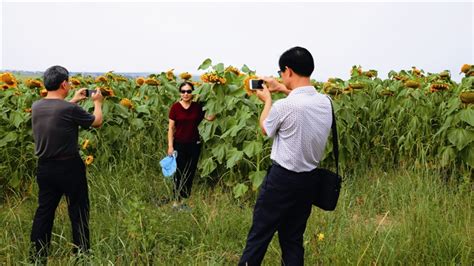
[60, 168]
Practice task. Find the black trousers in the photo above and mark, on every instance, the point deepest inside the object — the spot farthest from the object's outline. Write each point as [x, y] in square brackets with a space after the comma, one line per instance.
[188, 157]
[283, 205]
[56, 178]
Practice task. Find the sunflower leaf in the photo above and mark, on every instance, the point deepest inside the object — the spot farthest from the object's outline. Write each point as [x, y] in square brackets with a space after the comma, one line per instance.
[206, 64]
[239, 190]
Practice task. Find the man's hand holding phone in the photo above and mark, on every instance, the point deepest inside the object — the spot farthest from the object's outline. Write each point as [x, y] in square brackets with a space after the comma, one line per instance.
[95, 95]
[256, 84]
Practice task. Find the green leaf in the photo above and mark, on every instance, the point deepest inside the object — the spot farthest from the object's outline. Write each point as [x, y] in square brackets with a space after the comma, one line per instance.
[14, 182]
[467, 115]
[233, 157]
[11, 136]
[252, 148]
[460, 137]
[206, 64]
[257, 178]
[447, 156]
[138, 123]
[245, 69]
[219, 68]
[143, 109]
[207, 166]
[467, 155]
[219, 152]
[239, 190]
[207, 130]
[16, 118]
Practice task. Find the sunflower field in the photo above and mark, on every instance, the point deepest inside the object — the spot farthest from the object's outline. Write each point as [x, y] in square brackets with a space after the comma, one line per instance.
[411, 119]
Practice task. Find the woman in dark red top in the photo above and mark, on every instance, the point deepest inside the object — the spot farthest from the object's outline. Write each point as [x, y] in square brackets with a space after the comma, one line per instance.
[183, 136]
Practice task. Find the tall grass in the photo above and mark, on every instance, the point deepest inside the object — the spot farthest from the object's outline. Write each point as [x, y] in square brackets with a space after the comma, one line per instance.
[397, 217]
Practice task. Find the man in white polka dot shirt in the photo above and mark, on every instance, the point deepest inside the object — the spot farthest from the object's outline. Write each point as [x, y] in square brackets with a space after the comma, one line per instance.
[299, 126]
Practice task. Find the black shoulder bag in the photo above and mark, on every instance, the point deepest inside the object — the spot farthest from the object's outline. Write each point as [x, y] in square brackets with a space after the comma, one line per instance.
[328, 183]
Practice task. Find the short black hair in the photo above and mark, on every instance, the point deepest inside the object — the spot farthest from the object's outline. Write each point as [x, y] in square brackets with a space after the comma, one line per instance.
[299, 59]
[54, 76]
[186, 83]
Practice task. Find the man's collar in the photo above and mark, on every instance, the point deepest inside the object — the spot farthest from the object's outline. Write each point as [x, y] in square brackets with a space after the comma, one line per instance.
[302, 90]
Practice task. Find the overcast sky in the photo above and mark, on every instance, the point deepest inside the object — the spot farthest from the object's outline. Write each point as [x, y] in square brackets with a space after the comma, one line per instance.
[154, 37]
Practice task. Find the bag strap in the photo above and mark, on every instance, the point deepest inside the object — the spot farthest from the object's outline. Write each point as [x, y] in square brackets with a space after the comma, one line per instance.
[335, 144]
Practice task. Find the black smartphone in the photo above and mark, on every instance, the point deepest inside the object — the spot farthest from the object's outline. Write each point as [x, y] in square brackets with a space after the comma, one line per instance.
[256, 84]
[90, 92]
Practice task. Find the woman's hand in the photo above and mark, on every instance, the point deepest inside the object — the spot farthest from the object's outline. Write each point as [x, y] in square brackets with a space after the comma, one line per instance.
[170, 151]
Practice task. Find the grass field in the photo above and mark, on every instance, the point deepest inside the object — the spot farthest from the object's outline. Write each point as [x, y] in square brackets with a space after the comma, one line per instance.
[400, 217]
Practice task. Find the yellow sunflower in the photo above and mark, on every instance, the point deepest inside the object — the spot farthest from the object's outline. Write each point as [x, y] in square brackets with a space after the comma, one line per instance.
[465, 68]
[152, 82]
[100, 79]
[8, 79]
[34, 83]
[169, 74]
[467, 96]
[127, 103]
[233, 70]
[43, 92]
[213, 78]
[75, 81]
[185, 75]
[89, 159]
[106, 91]
[140, 81]
[85, 144]
[412, 84]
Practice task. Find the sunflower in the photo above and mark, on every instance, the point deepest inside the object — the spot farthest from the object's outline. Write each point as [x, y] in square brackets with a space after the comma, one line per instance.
[89, 159]
[465, 68]
[140, 81]
[152, 81]
[400, 77]
[320, 236]
[169, 74]
[444, 74]
[213, 78]
[106, 91]
[439, 87]
[100, 79]
[416, 71]
[412, 84]
[357, 85]
[467, 96]
[43, 92]
[196, 83]
[127, 103]
[85, 144]
[185, 75]
[121, 78]
[233, 70]
[370, 73]
[75, 81]
[8, 79]
[34, 83]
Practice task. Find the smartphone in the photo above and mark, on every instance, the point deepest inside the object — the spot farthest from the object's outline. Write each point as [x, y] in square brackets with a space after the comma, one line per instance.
[90, 92]
[256, 84]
